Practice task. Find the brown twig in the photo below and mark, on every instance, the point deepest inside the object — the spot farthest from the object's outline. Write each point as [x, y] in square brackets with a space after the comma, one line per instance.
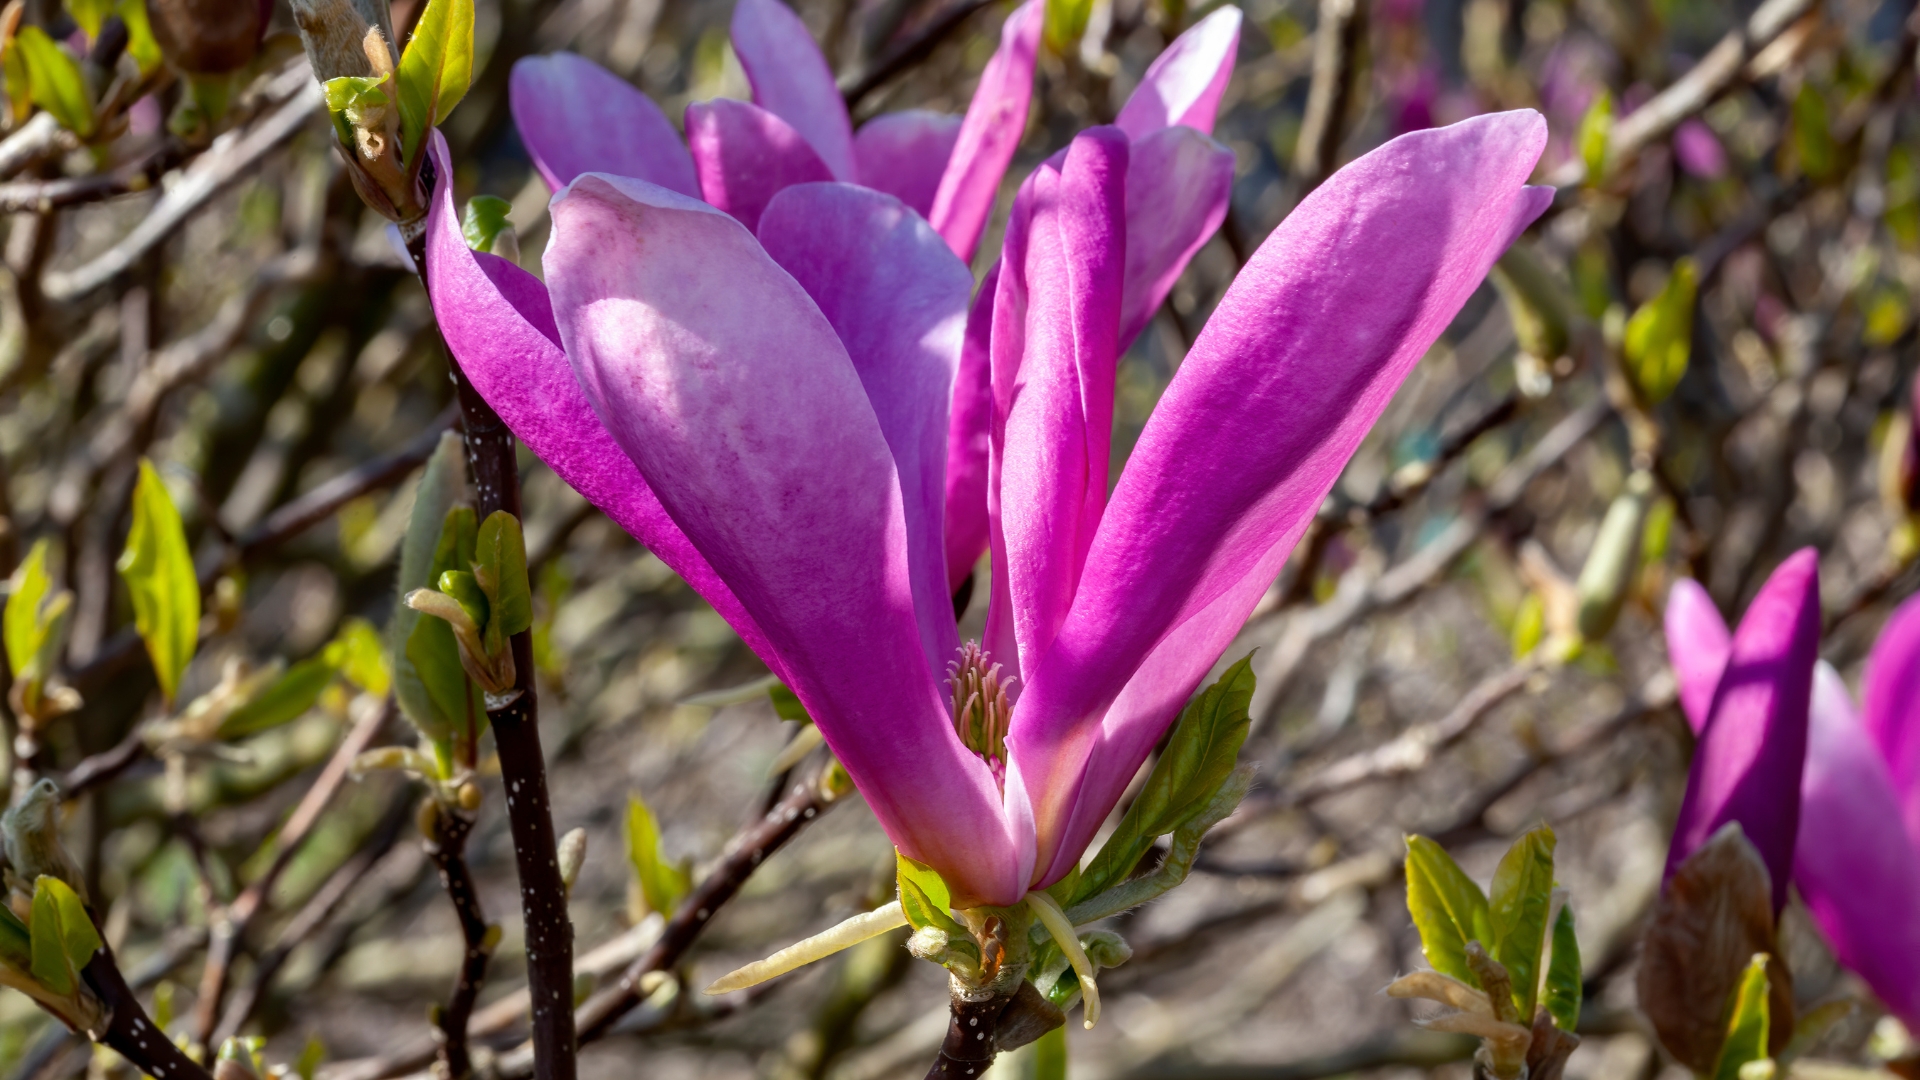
[1339, 46]
[229, 928]
[447, 847]
[130, 1030]
[913, 51]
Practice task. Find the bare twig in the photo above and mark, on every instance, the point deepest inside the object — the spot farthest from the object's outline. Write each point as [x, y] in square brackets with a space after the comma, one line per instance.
[230, 926]
[448, 850]
[912, 52]
[1338, 60]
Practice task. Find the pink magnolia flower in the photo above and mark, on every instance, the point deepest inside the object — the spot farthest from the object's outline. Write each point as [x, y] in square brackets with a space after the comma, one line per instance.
[576, 117]
[1856, 854]
[1749, 694]
[768, 413]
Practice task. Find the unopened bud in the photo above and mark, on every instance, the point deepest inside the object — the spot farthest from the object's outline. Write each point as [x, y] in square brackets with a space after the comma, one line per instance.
[427, 817]
[1615, 555]
[572, 854]
[32, 834]
[468, 796]
[235, 1063]
[1106, 949]
[207, 37]
[928, 943]
[1539, 305]
[1899, 471]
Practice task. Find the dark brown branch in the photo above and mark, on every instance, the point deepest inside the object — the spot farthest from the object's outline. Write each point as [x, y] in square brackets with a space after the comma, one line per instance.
[516, 735]
[230, 927]
[130, 1030]
[44, 195]
[448, 850]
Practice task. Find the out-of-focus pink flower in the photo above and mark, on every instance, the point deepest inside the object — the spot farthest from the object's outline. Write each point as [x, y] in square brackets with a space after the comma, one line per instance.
[768, 414]
[1856, 852]
[1699, 151]
[1753, 730]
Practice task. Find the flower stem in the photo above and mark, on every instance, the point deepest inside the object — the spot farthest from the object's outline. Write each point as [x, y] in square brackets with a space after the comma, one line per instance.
[516, 735]
[970, 1046]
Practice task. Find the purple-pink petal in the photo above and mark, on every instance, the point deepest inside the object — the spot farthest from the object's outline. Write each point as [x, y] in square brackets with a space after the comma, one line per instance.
[745, 155]
[1697, 647]
[1893, 705]
[1297, 362]
[1178, 185]
[905, 153]
[1748, 762]
[575, 117]
[1184, 84]
[1854, 863]
[725, 384]
[995, 121]
[1055, 345]
[1699, 151]
[498, 323]
[791, 80]
[897, 297]
[969, 439]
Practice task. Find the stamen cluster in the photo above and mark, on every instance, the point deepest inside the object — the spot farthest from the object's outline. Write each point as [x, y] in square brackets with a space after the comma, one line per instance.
[981, 711]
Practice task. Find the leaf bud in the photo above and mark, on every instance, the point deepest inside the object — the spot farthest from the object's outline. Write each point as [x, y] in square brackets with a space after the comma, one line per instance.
[1609, 569]
[572, 855]
[32, 834]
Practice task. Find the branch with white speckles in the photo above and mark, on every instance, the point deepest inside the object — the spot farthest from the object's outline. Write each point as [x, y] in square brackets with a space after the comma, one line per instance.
[130, 1030]
[447, 847]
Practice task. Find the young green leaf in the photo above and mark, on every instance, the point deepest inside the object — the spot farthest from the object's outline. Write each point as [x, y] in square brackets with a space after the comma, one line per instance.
[466, 592]
[442, 484]
[662, 883]
[25, 624]
[786, 704]
[500, 568]
[90, 14]
[356, 651]
[158, 569]
[1448, 908]
[484, 220]
[77, 934]
[16, 941]
[63, 937]
[308, 1064]
[1659, 337]
[286, 699]
[54, 81]
[923, 911]
[18, 83]
[1517, 907]
[1596, 128]
[1066, 23]
[925, 878]
[1563, 974]
[141, 44]
[435, 71]
[1198, 757]
[1747, 1031]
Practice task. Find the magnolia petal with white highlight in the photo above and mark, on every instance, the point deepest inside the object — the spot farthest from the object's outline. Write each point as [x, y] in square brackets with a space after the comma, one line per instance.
[818, 947]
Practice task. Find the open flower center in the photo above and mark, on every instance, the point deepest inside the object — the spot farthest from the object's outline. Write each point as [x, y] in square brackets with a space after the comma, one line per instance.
[980, 708]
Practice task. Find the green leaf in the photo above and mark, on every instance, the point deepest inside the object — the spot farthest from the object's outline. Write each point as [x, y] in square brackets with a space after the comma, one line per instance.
[1050, 1055]
[1181, 851]
[1596, 128]
[442, 484]
[18, 84]
[465, 591]
[1066, 23]
[1563, 974]
[158, 569]
[349, 98]
[308, 1065]
[90, 14]
[1448, 908]
[434, 656]
[1517, 907]
[1659, 337]
[1197, 759]
[786, 704]
[435, 71]
[662, 883]
[924, 897]
[25, 628]
[500, 567]
[54, 81]
[1747, 1030]
[1529, 624]
[140, 41]
[356, 651]
[485, 219]
[1609, 570]
[287, 699]
[63, 937]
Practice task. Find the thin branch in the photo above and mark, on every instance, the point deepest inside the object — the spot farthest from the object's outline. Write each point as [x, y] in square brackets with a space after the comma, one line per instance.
[233, 155]
[1339, 47]
[138, 175]
[1405, 1048]
[448, 850]
[230, 926]
[912, 52]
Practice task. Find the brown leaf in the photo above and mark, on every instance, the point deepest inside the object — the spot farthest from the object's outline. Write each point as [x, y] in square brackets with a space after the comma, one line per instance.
[1715, 914]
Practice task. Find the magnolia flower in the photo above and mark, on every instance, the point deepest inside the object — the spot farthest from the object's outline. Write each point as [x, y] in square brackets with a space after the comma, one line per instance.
[1746, 697]
[1856, 856]
[769, 416]
[576, 117]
